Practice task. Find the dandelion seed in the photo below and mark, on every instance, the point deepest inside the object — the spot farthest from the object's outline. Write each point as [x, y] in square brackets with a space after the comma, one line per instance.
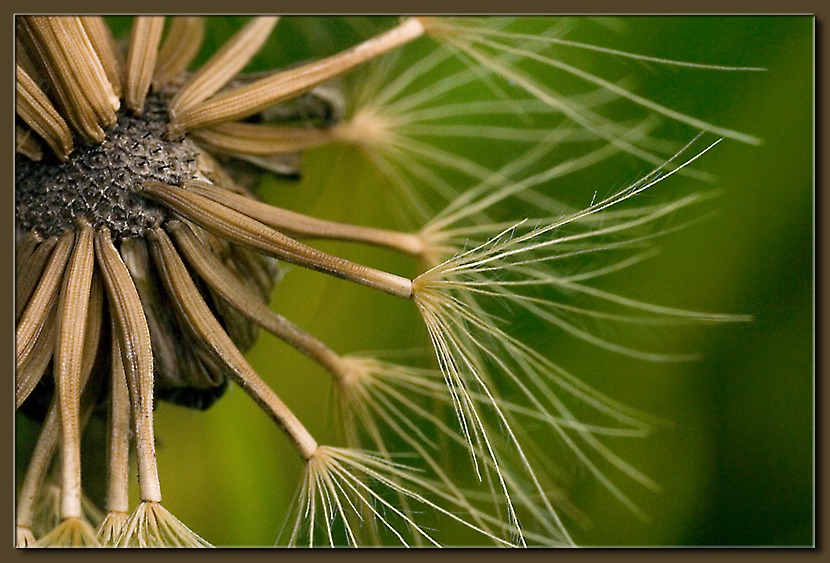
[71, 532]
[393, 120]
[110, 528]
[151, 525]
[334, 486]
[485, 46]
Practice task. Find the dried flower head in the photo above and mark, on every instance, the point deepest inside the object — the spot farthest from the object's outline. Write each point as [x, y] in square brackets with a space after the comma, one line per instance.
[145, 265]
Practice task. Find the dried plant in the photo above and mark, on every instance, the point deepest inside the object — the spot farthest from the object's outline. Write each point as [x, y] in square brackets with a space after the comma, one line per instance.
[146, 262]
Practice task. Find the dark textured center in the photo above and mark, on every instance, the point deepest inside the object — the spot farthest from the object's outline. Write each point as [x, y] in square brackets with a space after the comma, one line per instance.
[98, 181]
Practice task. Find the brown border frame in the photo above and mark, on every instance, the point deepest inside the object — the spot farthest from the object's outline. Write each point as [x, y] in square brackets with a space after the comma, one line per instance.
[819, 9]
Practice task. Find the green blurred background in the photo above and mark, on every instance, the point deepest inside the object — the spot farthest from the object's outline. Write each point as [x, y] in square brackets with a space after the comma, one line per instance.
[736, 461]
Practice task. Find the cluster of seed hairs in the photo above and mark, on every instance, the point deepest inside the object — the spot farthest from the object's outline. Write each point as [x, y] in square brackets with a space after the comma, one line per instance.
[144, 271]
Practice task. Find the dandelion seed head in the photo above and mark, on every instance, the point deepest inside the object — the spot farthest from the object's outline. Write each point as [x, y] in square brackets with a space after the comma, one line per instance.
[146, 269]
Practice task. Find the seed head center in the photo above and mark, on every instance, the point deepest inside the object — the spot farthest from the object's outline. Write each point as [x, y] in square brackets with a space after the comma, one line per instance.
[98, 181]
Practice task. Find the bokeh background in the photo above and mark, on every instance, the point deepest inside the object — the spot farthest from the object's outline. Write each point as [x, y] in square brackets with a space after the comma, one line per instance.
[735, 461]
